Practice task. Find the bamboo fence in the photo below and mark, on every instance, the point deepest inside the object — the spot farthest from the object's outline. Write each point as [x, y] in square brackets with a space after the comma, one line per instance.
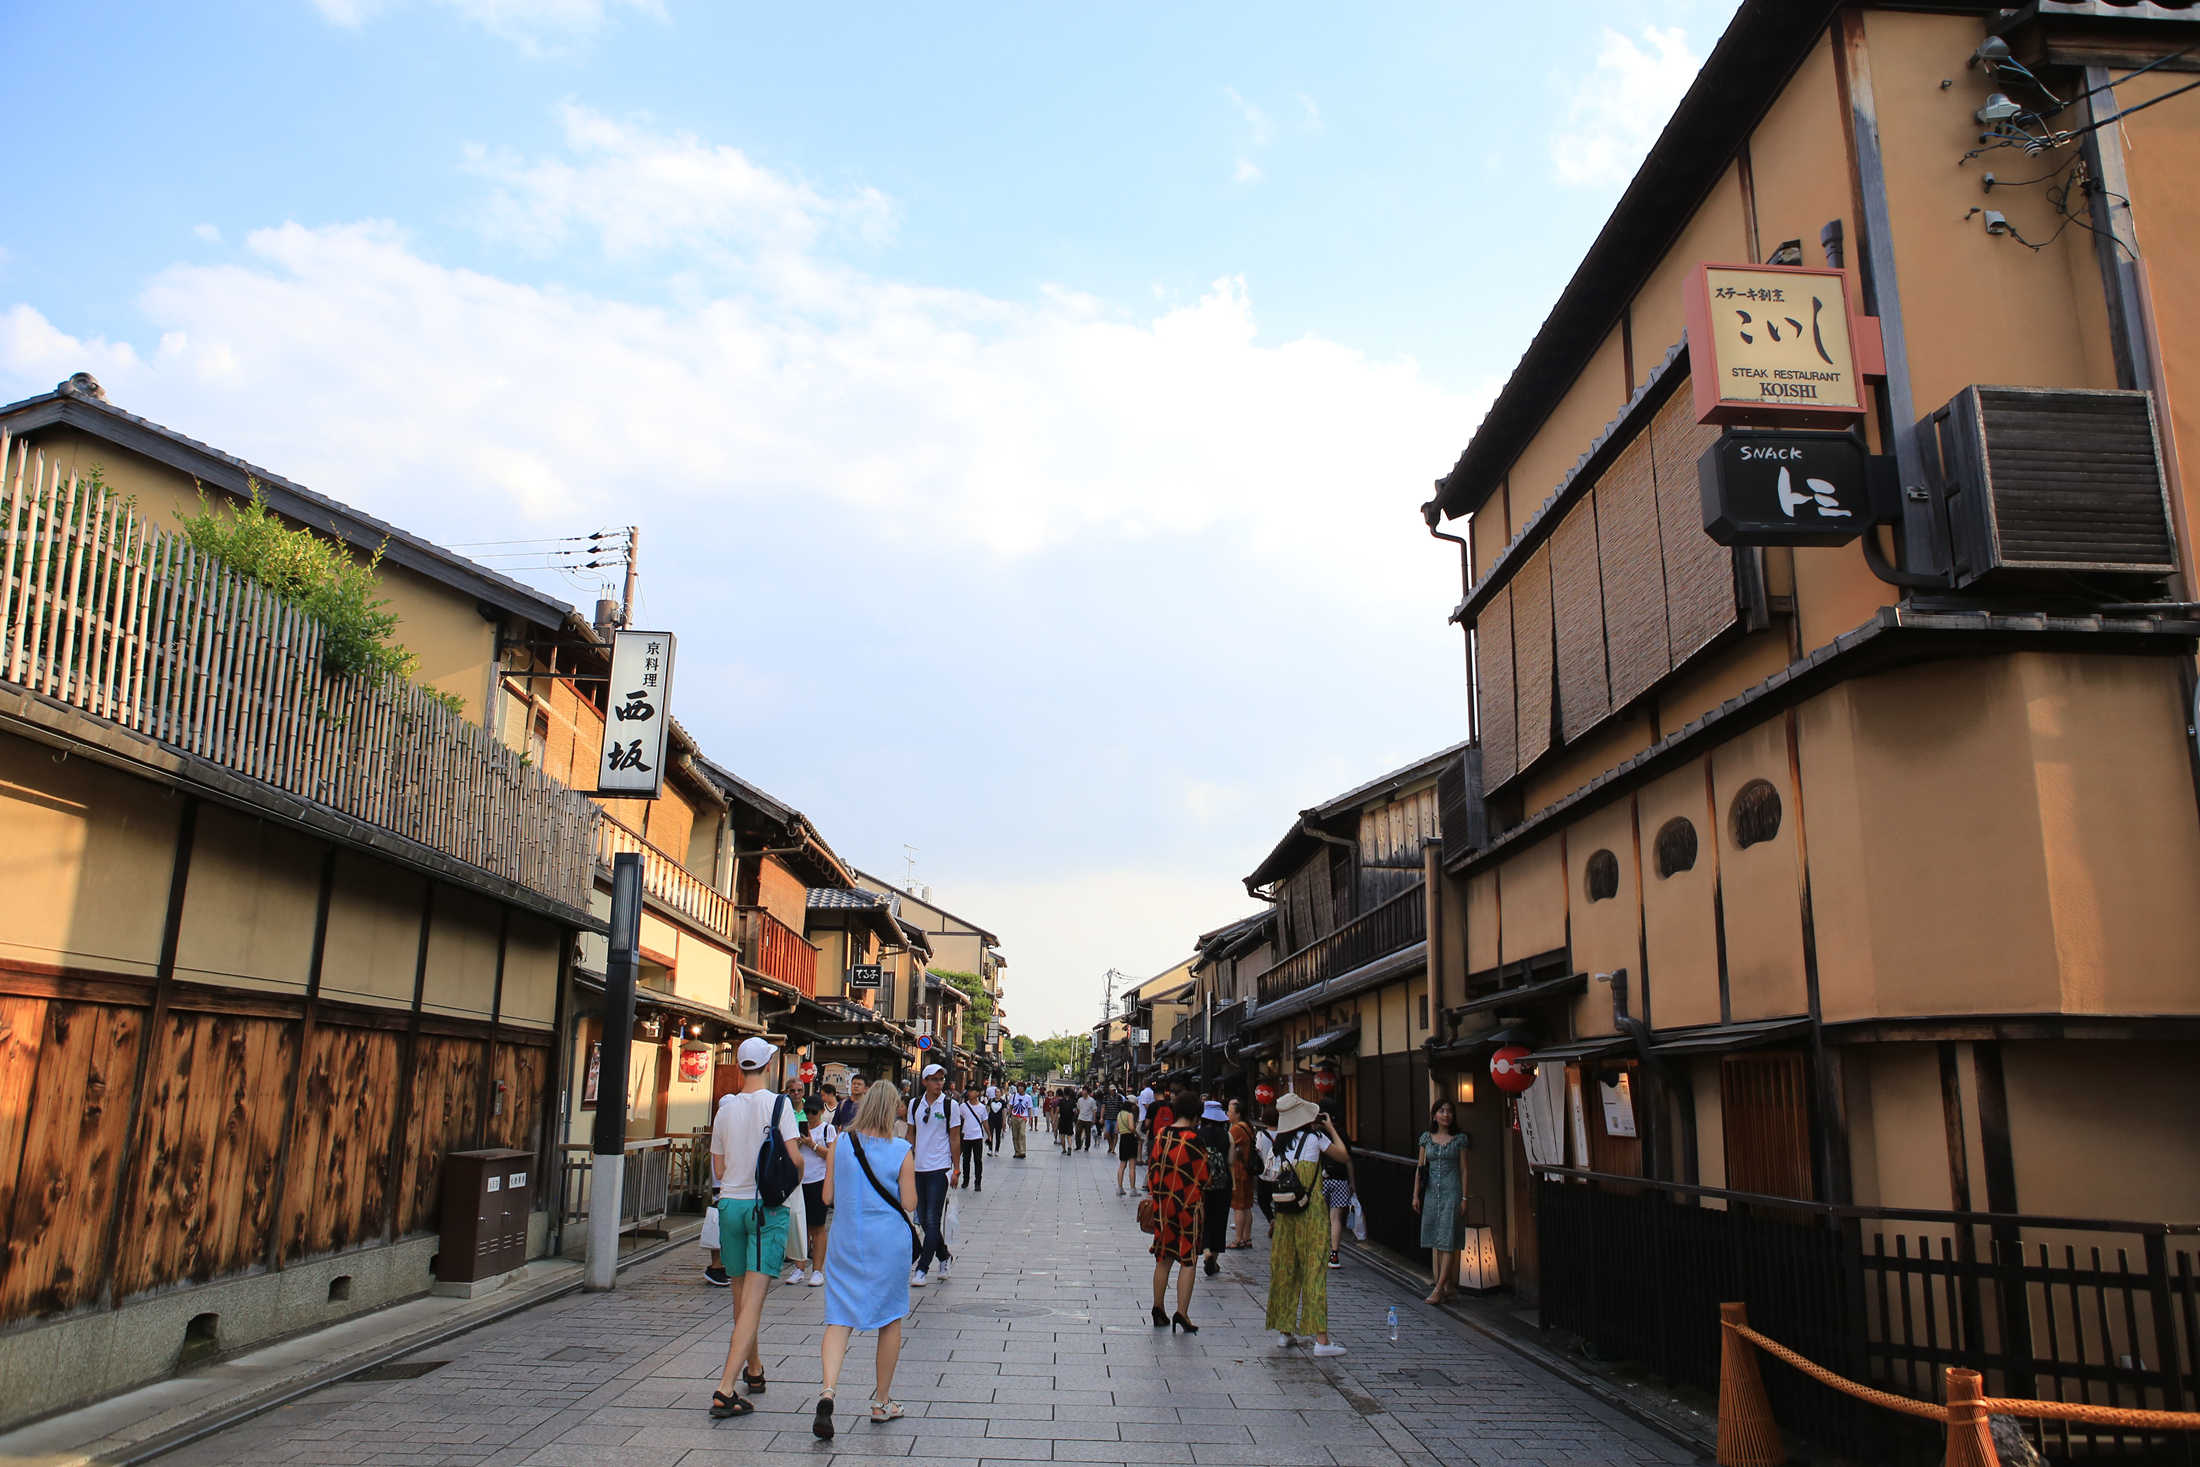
[109, 613]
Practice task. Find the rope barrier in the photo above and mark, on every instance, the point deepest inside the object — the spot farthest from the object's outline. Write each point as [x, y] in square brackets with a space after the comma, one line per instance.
[1994, 1405]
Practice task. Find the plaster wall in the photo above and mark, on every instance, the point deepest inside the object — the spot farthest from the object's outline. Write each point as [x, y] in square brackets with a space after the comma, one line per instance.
[87, 857]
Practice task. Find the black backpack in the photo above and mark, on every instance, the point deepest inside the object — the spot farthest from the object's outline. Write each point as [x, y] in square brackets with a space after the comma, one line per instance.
[1214, 1137]
[777, 1176]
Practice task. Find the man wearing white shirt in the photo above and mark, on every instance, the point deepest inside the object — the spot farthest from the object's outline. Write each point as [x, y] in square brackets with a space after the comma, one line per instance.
[973, 1137]
[935, 1136]
[752, 1238]
[1019, 1116]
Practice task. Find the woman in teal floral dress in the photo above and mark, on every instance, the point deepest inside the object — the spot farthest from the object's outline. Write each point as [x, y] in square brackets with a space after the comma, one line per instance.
[1442, 1202]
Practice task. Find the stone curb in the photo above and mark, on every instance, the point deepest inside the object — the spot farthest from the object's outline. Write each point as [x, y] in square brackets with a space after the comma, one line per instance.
[232, 1411]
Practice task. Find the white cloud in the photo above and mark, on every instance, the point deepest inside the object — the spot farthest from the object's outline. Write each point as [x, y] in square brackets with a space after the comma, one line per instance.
[211, 234]
[1248, 171]
[1618, 109]
[1261, 126]
[536, 25]
[644, 195]
[355, 362]
[1313, 113]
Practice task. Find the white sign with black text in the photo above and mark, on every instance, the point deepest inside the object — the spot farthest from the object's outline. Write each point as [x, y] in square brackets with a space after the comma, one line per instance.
[637, 717]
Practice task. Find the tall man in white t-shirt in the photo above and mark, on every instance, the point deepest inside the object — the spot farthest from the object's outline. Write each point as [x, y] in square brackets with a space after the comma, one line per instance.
[752, 1238]
[1019, 1116]
[935, 1133]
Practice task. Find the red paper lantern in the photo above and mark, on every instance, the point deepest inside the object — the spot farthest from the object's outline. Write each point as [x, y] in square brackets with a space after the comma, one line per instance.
[1325, 1082]
[1510, 1070]
[808, 1073]
[1264, 1093]
[694, 1063]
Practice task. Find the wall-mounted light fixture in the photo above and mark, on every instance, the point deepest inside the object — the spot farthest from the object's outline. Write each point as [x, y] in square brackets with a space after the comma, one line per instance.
[1466, 1088]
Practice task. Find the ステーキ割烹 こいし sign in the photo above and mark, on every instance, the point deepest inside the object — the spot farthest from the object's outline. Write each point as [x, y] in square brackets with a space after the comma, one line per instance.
[1776, 344]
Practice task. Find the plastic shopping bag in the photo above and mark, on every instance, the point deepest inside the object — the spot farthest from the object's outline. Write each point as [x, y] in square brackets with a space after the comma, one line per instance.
[951, 1224]
[1357, 1221]
[710, 1226]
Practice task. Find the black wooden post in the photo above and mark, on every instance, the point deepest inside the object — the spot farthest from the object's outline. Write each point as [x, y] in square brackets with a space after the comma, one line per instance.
[607, 1180]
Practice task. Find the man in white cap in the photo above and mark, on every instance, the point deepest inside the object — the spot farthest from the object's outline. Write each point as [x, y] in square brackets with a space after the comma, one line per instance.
[935, 1135]
[752, 1238]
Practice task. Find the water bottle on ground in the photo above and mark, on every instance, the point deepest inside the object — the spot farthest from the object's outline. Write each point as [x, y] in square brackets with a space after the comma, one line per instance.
[1394, 1324]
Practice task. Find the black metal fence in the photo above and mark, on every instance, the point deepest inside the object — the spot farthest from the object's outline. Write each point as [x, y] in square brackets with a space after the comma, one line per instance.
[1884, 1296]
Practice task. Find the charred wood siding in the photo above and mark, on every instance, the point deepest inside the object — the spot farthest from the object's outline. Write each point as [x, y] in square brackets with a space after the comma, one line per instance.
[209, 1123]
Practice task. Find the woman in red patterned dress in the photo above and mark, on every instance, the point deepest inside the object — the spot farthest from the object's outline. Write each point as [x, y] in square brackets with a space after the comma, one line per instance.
[1176, 1175]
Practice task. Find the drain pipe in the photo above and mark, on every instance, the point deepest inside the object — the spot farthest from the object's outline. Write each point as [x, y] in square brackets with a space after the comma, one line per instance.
[1634, 1029]
[1430, 513]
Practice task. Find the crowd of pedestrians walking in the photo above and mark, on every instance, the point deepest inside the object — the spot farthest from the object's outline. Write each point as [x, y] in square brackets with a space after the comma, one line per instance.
[828, 1192]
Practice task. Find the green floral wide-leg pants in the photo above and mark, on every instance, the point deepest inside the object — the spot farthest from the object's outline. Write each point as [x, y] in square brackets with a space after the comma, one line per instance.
[1298, 1272]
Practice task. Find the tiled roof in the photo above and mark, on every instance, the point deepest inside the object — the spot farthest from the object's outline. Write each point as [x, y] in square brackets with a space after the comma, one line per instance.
[829, 898]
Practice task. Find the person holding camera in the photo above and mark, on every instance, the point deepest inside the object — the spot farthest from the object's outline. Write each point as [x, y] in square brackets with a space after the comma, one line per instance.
[1298, 1272]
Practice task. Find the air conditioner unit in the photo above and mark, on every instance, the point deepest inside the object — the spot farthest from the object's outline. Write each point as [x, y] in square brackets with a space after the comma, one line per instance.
[2053, 488]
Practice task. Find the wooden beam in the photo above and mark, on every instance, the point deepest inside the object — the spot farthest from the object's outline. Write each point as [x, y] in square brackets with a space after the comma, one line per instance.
[306, 1029]
[407, 1056]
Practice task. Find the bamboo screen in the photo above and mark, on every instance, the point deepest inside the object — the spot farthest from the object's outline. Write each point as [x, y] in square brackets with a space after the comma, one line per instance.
[1633, 574]
[107, 613]
[1493, 648]
[1577, 621]
[1532, 670]
[1626, 589]
[1699, 573]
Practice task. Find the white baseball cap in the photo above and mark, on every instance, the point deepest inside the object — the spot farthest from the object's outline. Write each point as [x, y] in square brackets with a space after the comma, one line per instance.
[931, 1070]
[757, 1053]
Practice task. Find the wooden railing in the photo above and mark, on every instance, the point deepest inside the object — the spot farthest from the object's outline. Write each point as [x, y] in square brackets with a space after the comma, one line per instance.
[667, 880]
[110, 614]
[1392, 927]
[772, 948]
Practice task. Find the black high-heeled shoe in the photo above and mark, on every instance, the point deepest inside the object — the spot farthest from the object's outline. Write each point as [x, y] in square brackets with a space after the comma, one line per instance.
[1181, 1323]
[1160, 1319]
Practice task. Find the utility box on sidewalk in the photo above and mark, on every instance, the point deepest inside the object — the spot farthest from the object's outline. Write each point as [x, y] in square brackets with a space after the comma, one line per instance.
[485, 1209]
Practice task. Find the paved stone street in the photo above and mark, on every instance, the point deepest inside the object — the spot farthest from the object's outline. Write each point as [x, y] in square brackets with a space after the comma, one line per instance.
[1039, 1349]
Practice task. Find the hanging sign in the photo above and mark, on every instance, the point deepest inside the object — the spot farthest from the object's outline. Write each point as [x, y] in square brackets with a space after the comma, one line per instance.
[1792, 487]
[1775, 344]
[807, 1074]
[1619, 1103]
[864, 975]
[632, 766]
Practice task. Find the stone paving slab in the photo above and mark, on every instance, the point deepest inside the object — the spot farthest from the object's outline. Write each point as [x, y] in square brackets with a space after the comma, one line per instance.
[986, 1377]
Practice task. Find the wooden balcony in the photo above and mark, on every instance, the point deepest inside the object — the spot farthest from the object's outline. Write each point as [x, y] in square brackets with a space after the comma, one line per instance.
[769, 946]
[668, 881]
[1392, 927]
[108, 613]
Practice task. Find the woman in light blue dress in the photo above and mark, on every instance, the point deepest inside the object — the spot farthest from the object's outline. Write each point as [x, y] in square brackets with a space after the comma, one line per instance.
[867, 1271]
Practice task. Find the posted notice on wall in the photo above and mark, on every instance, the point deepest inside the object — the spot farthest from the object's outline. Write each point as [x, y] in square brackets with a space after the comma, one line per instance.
[638, 716]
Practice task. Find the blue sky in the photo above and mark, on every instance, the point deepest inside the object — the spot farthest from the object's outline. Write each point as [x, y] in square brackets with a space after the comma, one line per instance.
[1025, 407]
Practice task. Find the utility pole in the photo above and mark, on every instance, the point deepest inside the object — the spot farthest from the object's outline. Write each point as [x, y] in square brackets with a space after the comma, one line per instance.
[607, 1168]
[633, 554]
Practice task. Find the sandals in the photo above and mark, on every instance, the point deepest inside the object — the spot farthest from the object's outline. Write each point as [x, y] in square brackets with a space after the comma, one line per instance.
[755, 1382]
[886, 1411]
[822, 1426]
[723, 1405]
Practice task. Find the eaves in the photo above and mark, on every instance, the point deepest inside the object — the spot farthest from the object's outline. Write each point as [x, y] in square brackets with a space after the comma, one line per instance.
[1633, 419]
[291, 500]
[79, 734]
[1747, 70]
[1893, 636]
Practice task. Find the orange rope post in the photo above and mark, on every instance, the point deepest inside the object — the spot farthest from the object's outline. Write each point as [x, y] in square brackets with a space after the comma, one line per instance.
[1747, 1435]
[1970, 1434]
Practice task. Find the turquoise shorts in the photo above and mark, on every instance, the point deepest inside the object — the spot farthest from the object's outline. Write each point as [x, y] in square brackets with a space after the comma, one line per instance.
[752, 1238]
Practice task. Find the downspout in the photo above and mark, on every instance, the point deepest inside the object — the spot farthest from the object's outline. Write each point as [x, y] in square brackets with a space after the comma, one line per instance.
[1431, 513]
[1667, 1076]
